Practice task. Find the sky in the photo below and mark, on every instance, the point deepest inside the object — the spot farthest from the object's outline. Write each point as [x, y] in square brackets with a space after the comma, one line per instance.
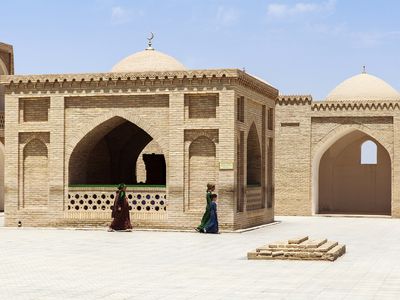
[300, 47]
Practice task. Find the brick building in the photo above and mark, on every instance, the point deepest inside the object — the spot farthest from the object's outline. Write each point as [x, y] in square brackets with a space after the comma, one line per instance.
[166, 131]
[162, 129]
[6, 68]
[338, 156]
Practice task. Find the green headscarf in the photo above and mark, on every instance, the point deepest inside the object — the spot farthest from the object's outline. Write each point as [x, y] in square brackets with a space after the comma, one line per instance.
[121, 195]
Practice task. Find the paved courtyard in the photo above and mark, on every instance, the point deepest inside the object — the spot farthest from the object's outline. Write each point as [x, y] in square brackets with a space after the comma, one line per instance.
[82, 264]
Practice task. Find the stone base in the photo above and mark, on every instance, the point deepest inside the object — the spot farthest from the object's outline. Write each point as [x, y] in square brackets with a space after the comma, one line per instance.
[301, 248]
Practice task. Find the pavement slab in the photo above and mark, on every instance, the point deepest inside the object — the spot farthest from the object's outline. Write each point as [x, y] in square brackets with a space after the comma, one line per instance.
[96, 264]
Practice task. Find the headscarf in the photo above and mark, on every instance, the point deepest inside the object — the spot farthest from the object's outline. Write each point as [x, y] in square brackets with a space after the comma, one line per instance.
[121, 194]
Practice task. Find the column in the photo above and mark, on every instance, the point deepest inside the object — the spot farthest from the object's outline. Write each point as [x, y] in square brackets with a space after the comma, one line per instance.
[57, 191]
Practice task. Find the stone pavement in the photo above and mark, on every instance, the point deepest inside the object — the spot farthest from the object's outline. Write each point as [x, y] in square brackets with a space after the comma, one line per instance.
[79, 264]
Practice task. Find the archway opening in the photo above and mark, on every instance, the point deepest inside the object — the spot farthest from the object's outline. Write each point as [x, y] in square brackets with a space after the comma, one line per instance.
[355, 177]
[253, 158]
[109, 154]
[155, 168]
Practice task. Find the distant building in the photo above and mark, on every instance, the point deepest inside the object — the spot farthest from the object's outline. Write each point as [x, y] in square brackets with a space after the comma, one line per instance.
[339, 156]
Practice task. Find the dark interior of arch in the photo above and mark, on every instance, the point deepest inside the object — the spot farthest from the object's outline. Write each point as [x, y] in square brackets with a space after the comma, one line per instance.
[108, 155]
[253, 157]
[348, 187]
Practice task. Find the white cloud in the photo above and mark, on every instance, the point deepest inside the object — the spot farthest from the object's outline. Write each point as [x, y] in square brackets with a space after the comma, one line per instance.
[284, 10]
[227, 16]
[120, 15]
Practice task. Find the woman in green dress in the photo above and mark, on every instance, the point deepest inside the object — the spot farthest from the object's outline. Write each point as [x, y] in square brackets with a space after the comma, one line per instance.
[206, 215]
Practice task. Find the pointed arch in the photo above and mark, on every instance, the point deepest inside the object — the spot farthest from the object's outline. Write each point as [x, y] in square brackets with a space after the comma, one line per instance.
[326, 142]
[202, 163]
[35, 174]
[149, 126]
[150, 165]
[338, 157]
[107, 154]
[253, 157]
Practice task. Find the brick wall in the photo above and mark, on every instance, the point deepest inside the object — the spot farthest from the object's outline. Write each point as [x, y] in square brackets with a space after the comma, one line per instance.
[198, 142]
[292, 159]
[35, 110]
[202, 169]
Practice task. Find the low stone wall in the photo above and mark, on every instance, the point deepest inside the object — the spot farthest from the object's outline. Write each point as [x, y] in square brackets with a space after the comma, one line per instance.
[97, 202]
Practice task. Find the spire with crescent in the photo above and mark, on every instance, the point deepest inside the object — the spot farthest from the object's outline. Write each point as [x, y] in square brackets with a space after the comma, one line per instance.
[149, 43]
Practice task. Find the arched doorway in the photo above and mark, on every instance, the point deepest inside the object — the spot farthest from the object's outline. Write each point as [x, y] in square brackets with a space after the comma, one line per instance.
[108, 154]
[253, 158]
[354, 177]
[254, 199]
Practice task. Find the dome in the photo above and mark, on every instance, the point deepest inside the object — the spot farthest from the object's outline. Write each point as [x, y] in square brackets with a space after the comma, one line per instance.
[148, 60]
[363, 87]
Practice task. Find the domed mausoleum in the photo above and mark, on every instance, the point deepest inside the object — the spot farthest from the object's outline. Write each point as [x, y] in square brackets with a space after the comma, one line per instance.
[363, 87]
[166, 131]
[151, 123]
[336, 156]
[148, 60]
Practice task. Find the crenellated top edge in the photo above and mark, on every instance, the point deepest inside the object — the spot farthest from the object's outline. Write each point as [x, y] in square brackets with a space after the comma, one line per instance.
[356, 104]
[294, 99]
[119, 76]
[190, 75]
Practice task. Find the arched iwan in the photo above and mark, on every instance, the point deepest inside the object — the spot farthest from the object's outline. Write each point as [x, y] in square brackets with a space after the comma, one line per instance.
[254, 169]
[342, 184]
[108, 154]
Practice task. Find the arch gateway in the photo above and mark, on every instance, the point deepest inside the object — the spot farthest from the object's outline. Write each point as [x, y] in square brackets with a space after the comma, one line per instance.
[338, 156]
[163, 130]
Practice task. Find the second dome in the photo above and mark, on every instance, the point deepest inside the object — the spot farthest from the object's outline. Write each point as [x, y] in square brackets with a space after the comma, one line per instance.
[363, 87]
[148, 60]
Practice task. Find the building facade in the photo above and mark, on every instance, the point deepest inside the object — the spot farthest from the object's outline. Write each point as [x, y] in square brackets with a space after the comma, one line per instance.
[163, 130]
[167, 131]
[338, 156]
[6, 68]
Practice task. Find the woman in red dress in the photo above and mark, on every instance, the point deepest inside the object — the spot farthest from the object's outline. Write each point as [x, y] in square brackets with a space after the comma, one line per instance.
[120, 211]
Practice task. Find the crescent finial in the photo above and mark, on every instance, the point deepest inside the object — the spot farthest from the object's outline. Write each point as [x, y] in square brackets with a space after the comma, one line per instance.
[149, 43]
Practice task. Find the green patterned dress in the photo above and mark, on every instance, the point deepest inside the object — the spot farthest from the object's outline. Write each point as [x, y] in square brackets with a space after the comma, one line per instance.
[206, 216]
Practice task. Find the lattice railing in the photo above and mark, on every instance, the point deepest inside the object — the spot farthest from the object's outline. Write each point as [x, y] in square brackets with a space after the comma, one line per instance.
[149, 199]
